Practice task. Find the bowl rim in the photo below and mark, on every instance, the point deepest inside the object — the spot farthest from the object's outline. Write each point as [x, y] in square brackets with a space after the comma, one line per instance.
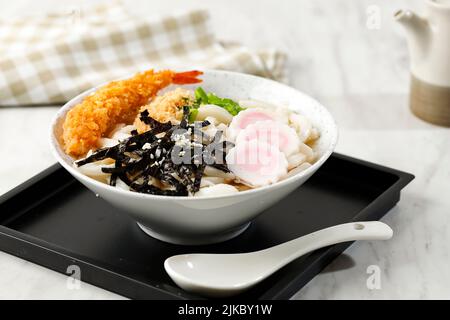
[54, 146]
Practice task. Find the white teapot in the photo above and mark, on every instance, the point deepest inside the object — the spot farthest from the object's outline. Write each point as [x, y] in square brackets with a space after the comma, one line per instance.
[428, 38]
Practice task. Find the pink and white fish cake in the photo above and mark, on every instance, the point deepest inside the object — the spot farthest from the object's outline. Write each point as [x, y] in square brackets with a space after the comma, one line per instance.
[257, 163]
[274, 133]
[246, 118]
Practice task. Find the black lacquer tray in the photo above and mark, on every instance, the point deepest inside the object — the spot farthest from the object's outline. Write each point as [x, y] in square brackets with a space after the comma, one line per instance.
[54, 221]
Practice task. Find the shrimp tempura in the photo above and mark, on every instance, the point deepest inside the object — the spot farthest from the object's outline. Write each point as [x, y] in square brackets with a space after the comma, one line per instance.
[116, 102]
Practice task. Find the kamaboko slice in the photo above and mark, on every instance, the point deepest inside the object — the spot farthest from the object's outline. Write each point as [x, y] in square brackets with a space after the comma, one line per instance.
[257, 163]
[247, 117]
[274, 133]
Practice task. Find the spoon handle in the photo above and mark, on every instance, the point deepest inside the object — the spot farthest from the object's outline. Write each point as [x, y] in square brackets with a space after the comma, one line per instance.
[284, 253]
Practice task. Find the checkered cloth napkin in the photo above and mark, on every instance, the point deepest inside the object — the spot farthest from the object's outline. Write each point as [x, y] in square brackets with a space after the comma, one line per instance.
[50, 59]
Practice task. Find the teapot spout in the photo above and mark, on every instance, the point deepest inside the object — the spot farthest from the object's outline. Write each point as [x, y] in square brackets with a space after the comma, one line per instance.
[417, 31]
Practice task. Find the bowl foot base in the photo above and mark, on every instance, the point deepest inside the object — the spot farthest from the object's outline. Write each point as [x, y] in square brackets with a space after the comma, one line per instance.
[193, 241]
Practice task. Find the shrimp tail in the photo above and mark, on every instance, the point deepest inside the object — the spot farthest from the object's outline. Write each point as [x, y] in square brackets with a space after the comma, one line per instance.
[187, 77]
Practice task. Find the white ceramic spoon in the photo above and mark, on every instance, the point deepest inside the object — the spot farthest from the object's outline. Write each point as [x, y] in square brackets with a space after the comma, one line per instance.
[221, 275]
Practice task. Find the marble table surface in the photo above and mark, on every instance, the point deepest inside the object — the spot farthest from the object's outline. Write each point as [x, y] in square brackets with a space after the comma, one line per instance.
[356, 69]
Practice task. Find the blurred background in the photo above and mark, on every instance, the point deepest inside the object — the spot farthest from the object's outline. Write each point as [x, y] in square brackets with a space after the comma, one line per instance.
[337, 36]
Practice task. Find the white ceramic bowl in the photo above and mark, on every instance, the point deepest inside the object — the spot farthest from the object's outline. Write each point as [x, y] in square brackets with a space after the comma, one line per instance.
[190, 220]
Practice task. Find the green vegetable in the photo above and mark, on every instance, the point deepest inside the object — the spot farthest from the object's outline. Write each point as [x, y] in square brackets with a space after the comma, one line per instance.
[202, 98]
[193, 114]
[228, 104]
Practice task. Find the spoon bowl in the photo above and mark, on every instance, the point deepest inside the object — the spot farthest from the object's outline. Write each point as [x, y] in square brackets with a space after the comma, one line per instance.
[222, 275]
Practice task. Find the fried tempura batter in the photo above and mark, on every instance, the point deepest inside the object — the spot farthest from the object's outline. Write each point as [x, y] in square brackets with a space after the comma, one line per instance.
[117, 102]
[165, 108]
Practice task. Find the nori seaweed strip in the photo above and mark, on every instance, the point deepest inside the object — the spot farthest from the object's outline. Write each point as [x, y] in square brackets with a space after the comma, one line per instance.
[205, 123]
[120, 157]
[185, 120]
[145, 170]
[147, 151]
[140, 139]
[124, 178]
[112, 180]
[198, 177]
[151, 169]
[185, 173]
[164, 173]
[180, 189]
[155, 126]
[113, 177]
